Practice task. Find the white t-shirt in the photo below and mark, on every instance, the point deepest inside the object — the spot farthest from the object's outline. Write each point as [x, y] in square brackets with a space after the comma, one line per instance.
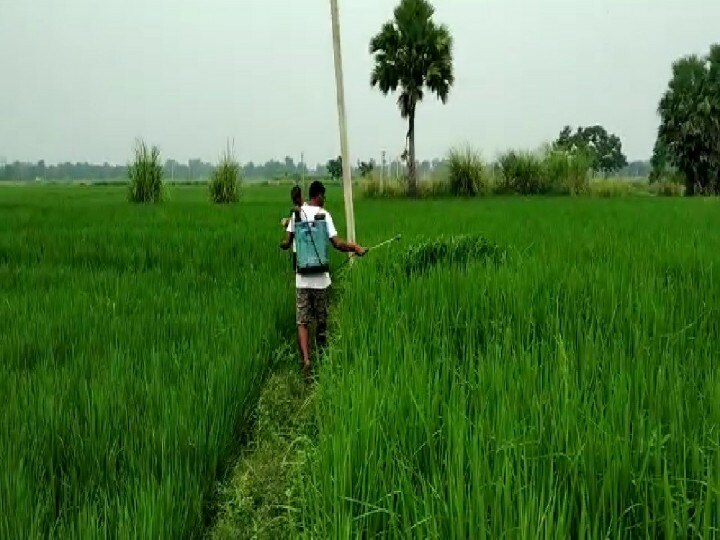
[307, 213]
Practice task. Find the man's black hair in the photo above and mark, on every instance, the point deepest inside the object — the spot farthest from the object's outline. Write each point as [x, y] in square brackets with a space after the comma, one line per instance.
[296, 194]
[316, 189]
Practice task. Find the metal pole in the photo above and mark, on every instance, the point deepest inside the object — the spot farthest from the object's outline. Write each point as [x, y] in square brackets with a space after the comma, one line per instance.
[344, 149]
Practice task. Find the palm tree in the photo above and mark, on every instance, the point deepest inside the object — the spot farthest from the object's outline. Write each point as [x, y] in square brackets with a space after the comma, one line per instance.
[413, 53]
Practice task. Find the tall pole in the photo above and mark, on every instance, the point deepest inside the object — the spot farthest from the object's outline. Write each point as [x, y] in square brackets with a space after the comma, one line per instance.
[344, 150]
[382, 173]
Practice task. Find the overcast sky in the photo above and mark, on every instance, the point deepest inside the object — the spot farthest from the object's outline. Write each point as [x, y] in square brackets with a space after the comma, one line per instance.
[81, 79]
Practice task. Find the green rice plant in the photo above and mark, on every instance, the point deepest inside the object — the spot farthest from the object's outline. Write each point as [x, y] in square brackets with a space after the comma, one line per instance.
[145, 174]
[522, 173]
[572, 392]
[466, 173]
[225, 181]
[454, 250]
[131, 357]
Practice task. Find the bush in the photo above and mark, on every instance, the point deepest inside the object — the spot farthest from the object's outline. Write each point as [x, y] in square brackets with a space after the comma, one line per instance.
[613, 188]
[566, 172]
[435, 186]
[667, 188]
[453, 250]
[466, 173]
[145, 174]
[372, 187]
[521, 172]
[225, 181]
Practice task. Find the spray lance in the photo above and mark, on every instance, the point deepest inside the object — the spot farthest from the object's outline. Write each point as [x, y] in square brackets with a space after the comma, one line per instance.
[373, 248]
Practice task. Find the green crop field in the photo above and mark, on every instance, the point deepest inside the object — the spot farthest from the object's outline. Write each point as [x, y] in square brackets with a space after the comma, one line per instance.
[564, 387]
[569, 389]
[134, 340]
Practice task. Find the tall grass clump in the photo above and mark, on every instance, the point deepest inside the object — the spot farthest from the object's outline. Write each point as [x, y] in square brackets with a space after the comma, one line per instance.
[225, 180]
[523, 173]
[608, 188]
[145, 174]
[466, 173]
[373, 187]
[377, 186]
[457, 251]
[566, 173]
[667, 188]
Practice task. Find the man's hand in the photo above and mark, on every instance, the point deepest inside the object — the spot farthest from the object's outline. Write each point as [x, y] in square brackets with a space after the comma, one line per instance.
[347, 247]
[285, 244]
[284, 222]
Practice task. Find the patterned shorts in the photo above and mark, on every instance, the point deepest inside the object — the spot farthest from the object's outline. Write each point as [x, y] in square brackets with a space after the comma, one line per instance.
[311, 306]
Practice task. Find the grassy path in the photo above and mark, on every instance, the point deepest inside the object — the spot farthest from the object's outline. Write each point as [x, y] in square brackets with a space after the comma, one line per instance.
[257, 501]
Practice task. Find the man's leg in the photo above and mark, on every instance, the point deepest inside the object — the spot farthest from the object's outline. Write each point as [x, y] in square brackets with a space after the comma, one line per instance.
[302, 308]
[320, 310]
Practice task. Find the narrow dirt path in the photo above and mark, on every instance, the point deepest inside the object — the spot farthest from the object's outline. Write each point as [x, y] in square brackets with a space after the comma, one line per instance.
[257, 501]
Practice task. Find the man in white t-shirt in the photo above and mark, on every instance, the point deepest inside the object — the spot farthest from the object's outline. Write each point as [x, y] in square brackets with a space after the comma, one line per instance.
[312, 290]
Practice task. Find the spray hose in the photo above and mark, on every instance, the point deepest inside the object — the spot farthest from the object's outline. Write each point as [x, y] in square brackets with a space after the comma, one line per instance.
[373, 248]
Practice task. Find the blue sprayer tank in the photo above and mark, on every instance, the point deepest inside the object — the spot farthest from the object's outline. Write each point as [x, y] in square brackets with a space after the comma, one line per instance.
[311, 244]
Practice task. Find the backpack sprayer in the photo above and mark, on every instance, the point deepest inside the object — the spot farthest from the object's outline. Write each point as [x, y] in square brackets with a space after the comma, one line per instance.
[311, 240]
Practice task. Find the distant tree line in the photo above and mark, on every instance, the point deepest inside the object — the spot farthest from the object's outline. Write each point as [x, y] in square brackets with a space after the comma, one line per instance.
[196, 169]
[22, 171]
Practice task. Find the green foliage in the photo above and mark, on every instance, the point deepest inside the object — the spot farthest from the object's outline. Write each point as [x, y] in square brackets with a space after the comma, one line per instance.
[659, 161]
[466, 173]
[456, 251]
[128, 363]
[335, 168]
[412, 55]
[373, 187]
[566, 172]
[225, 181]
[572, 392]
[366, 168]
[604, 149]
[146, 175]
[608, 188]
[689, 133]
[522, 172]
[257, 502]
[558, 171]
[667, 188]
[391, 188]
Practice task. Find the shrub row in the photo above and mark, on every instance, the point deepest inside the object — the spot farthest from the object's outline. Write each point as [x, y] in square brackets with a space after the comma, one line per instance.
[554, 172]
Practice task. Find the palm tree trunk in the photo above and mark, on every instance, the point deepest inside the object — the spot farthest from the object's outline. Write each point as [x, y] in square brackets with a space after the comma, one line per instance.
[412, 172]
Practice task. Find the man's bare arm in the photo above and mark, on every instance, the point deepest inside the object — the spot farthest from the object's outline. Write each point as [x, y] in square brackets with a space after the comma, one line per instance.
[347, 247]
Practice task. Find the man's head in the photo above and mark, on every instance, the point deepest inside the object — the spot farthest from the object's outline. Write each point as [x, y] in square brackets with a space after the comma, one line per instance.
[317, 193]
[296, 195]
